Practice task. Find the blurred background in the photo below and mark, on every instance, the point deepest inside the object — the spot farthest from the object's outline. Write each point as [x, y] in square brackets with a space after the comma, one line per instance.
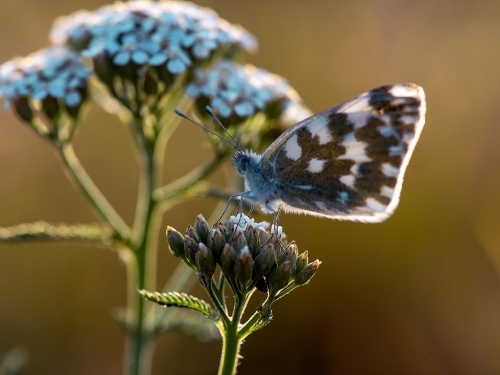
[418, 294]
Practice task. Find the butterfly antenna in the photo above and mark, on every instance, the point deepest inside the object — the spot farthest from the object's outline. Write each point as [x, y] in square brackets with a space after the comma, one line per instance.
[211, 113]
[180, 113]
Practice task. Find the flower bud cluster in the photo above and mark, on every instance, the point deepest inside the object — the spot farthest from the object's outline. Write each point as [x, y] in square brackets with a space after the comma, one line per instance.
[248, 255]
[237, 92]
[52, 80]
[168, 35]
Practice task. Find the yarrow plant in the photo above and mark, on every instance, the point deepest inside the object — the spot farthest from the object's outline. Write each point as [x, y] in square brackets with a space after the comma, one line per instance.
[250, 258]
[139, 60]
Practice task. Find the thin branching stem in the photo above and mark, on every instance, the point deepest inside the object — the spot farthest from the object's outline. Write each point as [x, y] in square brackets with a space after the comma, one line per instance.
[98, 201]
[187, 181]
[211, 289]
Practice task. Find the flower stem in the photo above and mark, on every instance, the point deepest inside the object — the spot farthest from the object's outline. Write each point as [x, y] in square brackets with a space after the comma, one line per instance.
[232, 337]
[85, 184]
[142, 269]
[175, 188]
[231, 343]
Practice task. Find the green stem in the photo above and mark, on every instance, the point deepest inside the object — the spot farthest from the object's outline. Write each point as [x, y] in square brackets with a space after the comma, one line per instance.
[187, 181]
[85, 184]
[215, 299]
[246, 329]
[232, 337]
[142, 269]
[231, 343]
[283, 292]
[220, 290]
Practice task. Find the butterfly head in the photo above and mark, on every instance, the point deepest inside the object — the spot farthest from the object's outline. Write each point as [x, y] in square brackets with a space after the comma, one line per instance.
[244, 161]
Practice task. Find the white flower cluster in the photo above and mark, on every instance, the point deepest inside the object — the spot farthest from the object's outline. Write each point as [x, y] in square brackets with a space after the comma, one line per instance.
[242, 222]
[170, 33]
[243, 90]
[55, 72]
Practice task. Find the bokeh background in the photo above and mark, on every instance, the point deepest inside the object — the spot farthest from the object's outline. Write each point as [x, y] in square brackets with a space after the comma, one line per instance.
[418, 294]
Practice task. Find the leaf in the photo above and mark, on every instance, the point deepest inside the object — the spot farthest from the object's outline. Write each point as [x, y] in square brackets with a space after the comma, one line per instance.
[43, 231]
[176, 299]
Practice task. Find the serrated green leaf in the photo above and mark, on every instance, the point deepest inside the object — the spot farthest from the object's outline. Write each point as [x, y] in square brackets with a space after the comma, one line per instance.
[176, 299]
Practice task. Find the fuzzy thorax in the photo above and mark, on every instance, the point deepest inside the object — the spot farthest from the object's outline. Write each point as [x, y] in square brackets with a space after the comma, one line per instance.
[257, 189]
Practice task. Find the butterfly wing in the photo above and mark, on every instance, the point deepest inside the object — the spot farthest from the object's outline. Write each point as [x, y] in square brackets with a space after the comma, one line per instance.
[348, 162]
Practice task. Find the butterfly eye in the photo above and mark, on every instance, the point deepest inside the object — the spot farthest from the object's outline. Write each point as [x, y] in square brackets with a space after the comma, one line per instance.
[240, 162]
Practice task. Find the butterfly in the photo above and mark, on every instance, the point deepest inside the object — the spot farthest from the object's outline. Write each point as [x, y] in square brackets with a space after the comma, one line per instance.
[345, 163]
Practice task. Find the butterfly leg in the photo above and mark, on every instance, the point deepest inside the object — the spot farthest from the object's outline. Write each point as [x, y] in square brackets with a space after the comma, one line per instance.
[240, 206]
[236, 226]
[276, 217]
[227, 205]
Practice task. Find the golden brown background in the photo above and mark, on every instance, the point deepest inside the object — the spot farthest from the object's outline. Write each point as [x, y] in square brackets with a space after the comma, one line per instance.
[418, 294]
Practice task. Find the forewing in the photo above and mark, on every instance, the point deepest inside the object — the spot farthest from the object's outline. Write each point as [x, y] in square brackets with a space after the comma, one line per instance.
[348, 162]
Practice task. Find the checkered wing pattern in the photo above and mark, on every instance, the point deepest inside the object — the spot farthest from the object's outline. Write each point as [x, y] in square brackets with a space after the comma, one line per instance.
[348, 162]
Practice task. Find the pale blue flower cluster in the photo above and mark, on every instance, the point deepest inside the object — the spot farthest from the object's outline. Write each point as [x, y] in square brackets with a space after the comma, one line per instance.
[55, 72]
[170, 33]
[243, 90]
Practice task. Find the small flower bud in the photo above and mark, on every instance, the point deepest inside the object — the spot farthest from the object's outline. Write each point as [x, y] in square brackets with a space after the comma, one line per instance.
[280, 276]
[191, 248]
[244, 266]
[201, 227]
[290, 254]
[273, 239]
[284, 239]
[23, 109]
[220, 226]
[264, 261]
[239, 241]
[205, 261]
[73, 111]
[307, 273]
[278, 234]
[216, 242]
[176, 243]
[50, 107]
[302, 261]
[252, 239]
[228, 224]
[263, 236]
[228, 260]
[150, 85]
[192, 233]
[104, 69]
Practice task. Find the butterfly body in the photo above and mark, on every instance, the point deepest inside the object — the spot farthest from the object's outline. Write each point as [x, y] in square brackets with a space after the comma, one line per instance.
[344, 163]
